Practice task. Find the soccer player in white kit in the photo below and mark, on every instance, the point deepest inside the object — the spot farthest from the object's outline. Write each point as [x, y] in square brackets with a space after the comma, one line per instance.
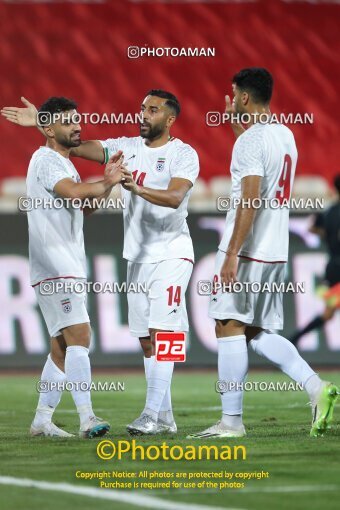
[160, 172]
[254, 248]
[56, 254]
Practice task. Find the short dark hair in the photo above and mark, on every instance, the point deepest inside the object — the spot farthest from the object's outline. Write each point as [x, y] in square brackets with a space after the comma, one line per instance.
[257, 81]
[337, 183]
[172, 101]
[55, 105]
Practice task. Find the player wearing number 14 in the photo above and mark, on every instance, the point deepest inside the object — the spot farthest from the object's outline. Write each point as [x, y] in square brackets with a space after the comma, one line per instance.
[160, 173]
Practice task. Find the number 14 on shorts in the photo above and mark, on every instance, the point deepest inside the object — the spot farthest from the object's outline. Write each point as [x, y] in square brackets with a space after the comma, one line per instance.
[170, 346]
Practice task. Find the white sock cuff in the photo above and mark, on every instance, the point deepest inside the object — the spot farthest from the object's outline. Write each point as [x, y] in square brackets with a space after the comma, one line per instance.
[252, 344]
[77, 348]
[55, 367]
[235, 338]
[258, 337]
[147, 363]
[232, 344]
[239, 412]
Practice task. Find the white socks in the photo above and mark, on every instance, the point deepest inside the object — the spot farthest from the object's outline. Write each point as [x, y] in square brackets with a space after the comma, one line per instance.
[147, 363]
[48, 400]
[165, 412]
[78, 370]
[158, 376]
[232, 368]
[284, 355]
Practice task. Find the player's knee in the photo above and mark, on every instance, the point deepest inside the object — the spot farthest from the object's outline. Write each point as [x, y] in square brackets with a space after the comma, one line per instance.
[146, 346]
[58, 359]
[58, 351]
[147, 351]
[152, 336]
[79, 334]
[85, 339]
[229, 327]
[219, 328]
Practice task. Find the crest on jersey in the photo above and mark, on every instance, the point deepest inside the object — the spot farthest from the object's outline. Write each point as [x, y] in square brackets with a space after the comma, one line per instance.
[160, 165]
[66, 305]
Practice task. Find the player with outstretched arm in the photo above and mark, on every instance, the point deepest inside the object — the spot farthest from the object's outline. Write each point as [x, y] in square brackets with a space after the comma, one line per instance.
[57, 254]
[160, 173]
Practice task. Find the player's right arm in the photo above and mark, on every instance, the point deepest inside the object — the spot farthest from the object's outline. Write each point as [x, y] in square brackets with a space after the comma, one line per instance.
[28, 117]
[91, 150]
[67, 188]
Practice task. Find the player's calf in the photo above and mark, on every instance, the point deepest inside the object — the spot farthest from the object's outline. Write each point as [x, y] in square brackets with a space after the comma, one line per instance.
[78, 372]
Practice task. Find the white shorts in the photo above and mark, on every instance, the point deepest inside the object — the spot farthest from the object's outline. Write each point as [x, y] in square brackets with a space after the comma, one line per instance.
[163, 305]
[62, 309]
[261, 309]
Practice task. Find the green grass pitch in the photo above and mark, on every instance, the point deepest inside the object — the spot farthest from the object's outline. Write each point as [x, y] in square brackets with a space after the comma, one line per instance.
[304, 472]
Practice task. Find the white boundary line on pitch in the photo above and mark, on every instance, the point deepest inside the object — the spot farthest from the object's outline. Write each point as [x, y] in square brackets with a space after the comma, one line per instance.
[274, 489]
[180, 409]
[130, 498]
[295, 488]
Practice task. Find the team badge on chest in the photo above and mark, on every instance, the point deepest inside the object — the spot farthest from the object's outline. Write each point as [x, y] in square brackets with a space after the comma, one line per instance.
[66, 305]
[160, 165]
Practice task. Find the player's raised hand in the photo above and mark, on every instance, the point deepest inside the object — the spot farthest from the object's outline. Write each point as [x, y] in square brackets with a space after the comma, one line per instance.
[23, 116]
[115, 167]
[230, 112]
[111, 165]
[229, 106]
[129, 183]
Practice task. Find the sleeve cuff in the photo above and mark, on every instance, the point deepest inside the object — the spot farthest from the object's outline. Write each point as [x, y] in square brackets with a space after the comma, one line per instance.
[246, 173]
[106, 151]
[187, 177]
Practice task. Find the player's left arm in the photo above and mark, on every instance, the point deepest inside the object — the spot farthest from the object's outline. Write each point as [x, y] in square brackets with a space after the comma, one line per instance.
[172, 197]
[184, 169]
[249, 155]
[251, 189]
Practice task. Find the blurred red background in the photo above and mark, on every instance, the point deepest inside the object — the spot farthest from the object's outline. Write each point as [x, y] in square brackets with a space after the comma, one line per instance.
[80, 51]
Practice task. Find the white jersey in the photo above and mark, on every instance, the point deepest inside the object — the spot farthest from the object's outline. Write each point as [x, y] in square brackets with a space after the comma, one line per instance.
[153, 233]
[267, 150]
[56, 242]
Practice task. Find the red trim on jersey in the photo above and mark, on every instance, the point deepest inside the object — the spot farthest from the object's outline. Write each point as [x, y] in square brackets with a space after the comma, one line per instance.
[189, 260]
[265, 261]
[56, 278]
